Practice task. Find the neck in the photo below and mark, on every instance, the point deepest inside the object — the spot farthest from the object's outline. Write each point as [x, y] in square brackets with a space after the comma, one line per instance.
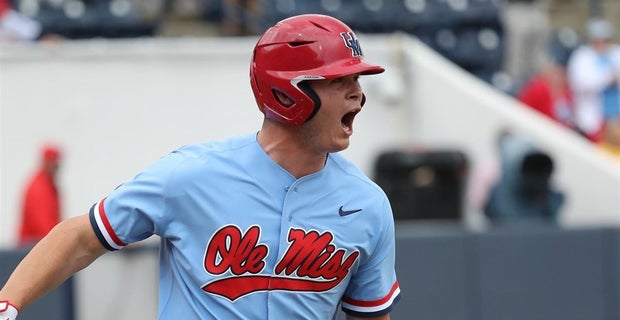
[285, 145]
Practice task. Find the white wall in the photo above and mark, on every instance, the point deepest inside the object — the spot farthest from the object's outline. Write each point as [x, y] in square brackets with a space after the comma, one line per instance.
[116, 106]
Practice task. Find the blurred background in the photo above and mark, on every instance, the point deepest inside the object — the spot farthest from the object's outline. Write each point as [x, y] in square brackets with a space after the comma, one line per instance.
[504, 181]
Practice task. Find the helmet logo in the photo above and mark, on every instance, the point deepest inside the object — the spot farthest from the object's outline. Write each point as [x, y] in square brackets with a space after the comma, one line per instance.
[352, 43]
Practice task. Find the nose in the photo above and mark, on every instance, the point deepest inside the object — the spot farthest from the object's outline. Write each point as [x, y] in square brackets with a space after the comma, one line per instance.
[356, 93]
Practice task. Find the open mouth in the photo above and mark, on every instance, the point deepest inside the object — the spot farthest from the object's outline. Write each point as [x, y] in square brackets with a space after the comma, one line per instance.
[347, 120]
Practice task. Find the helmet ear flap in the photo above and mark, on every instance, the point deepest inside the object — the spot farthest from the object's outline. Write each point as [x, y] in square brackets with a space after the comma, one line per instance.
[305, 87]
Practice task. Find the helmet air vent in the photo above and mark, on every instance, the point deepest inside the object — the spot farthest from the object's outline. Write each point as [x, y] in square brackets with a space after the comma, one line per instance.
[299, 43]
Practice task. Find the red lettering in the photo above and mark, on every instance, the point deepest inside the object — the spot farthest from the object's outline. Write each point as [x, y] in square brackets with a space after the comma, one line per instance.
[231, 250]
[311, 254]
[314, 260]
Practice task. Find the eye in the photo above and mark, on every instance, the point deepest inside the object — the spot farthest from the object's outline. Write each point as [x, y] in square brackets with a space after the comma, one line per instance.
[351, 78]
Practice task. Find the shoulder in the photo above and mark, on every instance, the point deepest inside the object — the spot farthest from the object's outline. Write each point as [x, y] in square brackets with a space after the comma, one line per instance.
[198, 154]
[193, 158]
[535, 83]
[582, 52]
[347, 167]
[352, 175]
[206, 149]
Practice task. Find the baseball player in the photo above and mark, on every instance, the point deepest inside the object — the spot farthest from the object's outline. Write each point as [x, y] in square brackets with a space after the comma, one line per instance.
[269, 225]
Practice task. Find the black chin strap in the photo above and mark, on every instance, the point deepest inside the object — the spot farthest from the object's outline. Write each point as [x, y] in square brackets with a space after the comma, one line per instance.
[305, 87]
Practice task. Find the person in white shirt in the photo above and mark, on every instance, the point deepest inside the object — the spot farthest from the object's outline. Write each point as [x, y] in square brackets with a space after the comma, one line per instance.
[15, 26]
[593, 74]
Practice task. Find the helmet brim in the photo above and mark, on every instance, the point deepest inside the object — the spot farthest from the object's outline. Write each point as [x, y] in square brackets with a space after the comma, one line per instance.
[333, 70]
[349, 67]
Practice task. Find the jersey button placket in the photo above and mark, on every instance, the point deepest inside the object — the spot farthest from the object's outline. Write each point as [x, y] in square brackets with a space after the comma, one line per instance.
[291, 191]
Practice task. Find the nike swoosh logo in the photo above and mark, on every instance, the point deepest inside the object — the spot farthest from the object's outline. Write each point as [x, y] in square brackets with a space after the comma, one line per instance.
[343, 213]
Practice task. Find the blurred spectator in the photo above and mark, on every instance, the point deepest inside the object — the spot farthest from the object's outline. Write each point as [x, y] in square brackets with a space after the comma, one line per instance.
[593, 72]
[548, 92]
[41, 199]
[241, 17]
[523, 191]
[611, 138]
[484, 175]
[527, 27]
[16, 27]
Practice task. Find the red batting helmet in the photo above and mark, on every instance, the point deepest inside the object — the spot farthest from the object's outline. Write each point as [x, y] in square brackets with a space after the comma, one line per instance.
[304, 47]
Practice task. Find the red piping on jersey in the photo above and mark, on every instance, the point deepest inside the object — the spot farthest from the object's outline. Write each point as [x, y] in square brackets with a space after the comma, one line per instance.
[108, 227]
[373, 303]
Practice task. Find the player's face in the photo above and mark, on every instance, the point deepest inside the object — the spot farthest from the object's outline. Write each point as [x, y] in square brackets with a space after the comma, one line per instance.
[329, 130]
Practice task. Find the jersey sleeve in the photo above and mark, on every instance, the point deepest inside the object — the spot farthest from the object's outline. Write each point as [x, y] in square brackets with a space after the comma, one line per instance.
[374, 289]
[136, 209]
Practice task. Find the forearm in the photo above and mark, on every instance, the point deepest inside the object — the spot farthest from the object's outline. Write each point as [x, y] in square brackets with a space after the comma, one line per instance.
[68, 248]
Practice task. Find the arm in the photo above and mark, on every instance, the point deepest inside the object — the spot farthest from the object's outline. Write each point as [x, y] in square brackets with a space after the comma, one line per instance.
[383, 317]
[71, 246]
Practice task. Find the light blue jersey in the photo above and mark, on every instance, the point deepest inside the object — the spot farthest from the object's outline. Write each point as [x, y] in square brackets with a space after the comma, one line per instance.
[241, 238]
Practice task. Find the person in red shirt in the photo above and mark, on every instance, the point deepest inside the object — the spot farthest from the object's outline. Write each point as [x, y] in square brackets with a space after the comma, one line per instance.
[41, 199]
[548, 93]
[4, 6]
